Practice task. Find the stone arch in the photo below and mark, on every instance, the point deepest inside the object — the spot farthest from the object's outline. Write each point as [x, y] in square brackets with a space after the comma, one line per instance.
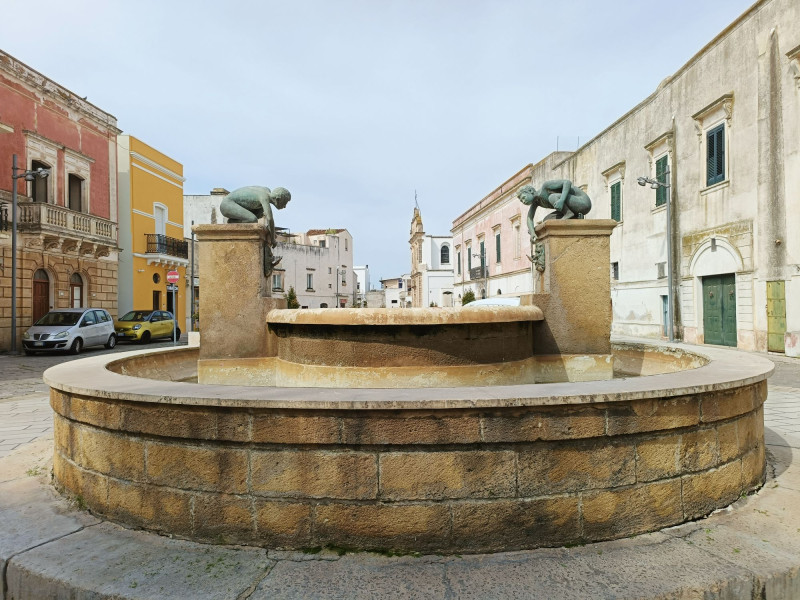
[715, 256]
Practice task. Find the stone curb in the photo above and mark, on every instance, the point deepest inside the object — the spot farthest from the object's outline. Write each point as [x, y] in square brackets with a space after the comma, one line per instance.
[50, 549]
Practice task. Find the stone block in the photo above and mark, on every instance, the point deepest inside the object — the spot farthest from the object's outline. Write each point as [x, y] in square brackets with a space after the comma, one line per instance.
[552, 469]
[699, 450]
[653, 415]
[513, 524]
[283, 524]
[628, 511]
[515, 425]
[65, 437]
[193, 468]
[111, 454]
[751, 431]
[150, 507]
[89, 489]
[657, 458]
[95, 412]
[421, 428]
[728, 441]
[296, 428]
[726, 404]
[314, 474]
[382, 526]
[440, 475]
[223, 518]
[705, 492]
[169, 421]
[753, 468]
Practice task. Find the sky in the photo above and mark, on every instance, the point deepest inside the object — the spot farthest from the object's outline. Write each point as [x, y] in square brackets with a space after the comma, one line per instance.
[355, 106]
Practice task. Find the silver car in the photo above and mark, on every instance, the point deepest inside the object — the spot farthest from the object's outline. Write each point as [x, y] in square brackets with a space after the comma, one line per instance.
[71, 330]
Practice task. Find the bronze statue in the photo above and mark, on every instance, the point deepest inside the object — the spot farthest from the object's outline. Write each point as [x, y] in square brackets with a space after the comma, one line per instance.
[569, 201]
[248, 204]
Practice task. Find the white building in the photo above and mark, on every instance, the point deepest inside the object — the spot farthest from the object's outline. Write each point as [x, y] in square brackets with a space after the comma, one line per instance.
[362, 283]
[396, 291]
[431, 266]
[724, 133]
[318, 264]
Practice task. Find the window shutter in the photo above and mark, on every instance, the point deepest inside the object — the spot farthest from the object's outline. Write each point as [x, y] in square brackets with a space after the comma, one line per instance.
[616, 202]
[661, 176]
[497, 245]
[715, 155]
[720, 145]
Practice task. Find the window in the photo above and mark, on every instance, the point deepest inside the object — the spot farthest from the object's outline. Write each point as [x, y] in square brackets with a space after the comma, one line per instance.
[497, 245]
[309, 281]
[330, 270]
[75, 192]
[459, 262]
[517, 240]
[616, 201]
[469, 258]
[38, 185]
[323, 305]
[445, 255]
[277, 281]
[615, 271]
[322, 243]
[345, 244]
[400, 284]
[662, 166]
[483, 257]
[160, 216]
[419, 252]
[76, 290]
[715, 155]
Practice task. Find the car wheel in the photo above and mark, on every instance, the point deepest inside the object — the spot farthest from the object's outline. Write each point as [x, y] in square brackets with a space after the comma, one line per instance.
[77, 346]
[178, 334]
[112, 341]
[146, 337]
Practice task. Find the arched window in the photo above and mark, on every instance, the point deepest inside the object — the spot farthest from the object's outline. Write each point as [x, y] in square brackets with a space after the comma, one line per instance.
[445, 252]
[76, 291]
[499, 292]
[483, 293]
[324, 305]
[75, 192]
[41, 294]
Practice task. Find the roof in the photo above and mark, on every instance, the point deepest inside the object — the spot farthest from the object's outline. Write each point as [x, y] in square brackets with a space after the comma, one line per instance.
[324, 231]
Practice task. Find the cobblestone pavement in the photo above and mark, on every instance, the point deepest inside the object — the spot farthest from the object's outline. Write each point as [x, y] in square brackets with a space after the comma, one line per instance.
[25, 412]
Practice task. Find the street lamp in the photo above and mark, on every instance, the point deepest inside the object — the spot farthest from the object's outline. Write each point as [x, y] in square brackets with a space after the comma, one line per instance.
[655, 184]
[27, 175]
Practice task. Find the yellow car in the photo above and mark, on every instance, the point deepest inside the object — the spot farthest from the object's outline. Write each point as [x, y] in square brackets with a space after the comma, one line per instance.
[145, 325]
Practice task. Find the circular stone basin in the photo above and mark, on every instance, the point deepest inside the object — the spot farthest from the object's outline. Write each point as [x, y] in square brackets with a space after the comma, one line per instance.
[454, 470]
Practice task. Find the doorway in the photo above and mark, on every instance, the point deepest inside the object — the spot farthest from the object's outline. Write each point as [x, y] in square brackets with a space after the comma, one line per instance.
[156, 299]
[41, 294]
[776, 316]
[170, 303]
[719, 309]
[76, 291]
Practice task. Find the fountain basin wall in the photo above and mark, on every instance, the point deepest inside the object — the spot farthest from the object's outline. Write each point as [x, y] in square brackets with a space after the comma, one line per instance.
[467, 469]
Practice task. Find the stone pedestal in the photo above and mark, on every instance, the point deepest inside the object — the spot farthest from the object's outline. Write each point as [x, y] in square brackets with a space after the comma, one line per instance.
[236, 296]
[575, 288]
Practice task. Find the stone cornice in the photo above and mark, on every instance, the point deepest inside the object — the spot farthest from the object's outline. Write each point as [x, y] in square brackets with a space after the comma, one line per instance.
[725, 102]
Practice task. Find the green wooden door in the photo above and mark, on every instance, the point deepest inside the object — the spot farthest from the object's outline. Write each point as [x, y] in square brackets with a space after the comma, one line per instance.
[776, 316]
[719, 310]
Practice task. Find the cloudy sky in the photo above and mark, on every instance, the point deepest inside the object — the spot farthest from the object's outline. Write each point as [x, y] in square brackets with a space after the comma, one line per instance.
[353, 104]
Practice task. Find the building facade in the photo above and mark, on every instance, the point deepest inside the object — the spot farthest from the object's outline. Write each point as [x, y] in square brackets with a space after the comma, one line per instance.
[151, 231]
[362, 284]
[67, 223]
[397, 292]
[724, 133]
[431, 266]
[318, 265]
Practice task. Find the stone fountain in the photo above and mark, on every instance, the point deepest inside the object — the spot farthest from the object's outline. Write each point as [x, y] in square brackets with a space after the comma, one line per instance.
[430, 430]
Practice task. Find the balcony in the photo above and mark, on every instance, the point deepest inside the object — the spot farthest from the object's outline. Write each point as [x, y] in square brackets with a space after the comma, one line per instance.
[59, 228]
[167, 251]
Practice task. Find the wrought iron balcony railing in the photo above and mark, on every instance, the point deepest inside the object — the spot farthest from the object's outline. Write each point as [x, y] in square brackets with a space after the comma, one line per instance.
[158, 243]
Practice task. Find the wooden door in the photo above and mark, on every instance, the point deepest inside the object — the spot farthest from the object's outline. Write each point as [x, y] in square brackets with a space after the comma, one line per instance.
[41, 298]
[719, 310]
[776, 316]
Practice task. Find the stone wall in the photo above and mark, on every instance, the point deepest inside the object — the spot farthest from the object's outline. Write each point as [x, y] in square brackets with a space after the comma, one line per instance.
[435, 480]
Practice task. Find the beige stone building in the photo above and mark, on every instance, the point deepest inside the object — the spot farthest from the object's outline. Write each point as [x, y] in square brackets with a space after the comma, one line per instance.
[724, 132]
[431, 266]
[67, 223]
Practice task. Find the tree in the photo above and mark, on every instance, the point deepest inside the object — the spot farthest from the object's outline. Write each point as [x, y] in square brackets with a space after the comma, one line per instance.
[469, 296]
[291, 298]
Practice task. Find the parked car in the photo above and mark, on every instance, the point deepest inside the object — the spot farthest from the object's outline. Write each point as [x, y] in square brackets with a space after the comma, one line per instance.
[145, 325]
[70, 329]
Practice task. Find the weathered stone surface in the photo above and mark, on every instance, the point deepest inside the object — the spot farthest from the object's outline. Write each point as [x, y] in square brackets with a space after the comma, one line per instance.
[315, 474]
[728, 441]
[193, 468]
[283, 523]
[551, 469]
[653, 415]
[414, 428]
[751, 430]
[102, 413]
[439, 475]
[512, 524]
[515, 425]
[298, 428]
[110, 453]
[223, 518]
[753, 467]
[658, 458]
[713, 489]
[699, 450]
[150, 507]
[169, 421]
[383, 526]
[726, 404]
[626, 511]
[89, 489]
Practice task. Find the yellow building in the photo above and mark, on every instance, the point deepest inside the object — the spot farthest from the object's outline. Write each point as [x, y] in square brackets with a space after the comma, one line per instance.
[151, 238]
